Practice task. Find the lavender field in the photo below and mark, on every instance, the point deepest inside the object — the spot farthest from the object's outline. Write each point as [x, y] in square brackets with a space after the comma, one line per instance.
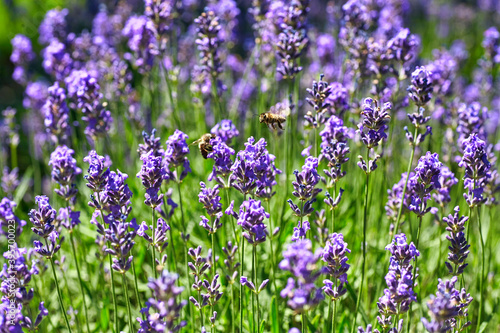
[251, 166]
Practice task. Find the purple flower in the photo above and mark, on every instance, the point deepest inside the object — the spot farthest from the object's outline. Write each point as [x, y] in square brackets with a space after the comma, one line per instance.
[374, 124]
[208, 42]
[82, 86]
[98, 172]
[459, 248]
[404, 46]
[446, 181]
[56, 61]
[338, 99]
[152, 175]
[159, 239]
[399, 293]
[210, 199]
[251, 219]
[151, 143]
[141, 36]
[64, 172]
[254, 169]
[225, 130]
[334, 255]
[176, 155]
[22, 54]
[53, 26]
[420, 90]
[117, 196]
[10, 181]
[36, 94]
[56, 114]
[471, 119]
[422, 182]
[299, 260]
[292, 40]
[448, 308]
[477, 169]
[68, 218]
[306, 180]
[161, 12]
[43, 217]
[318, 99]
[491, 44]
[164, 308]
[221, 154]
[394, 199]
[22, 51]
[7, 214]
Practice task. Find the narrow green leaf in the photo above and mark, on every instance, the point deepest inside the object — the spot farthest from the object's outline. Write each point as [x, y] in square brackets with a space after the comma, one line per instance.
[262, 326]
[23, 186]
[274, 316]
[482, 327]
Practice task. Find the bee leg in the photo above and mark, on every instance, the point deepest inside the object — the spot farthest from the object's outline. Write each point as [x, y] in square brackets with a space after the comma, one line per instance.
[273, 126]
[280, 126]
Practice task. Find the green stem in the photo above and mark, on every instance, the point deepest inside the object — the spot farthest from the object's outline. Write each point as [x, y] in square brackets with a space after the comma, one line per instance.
[272, 262]
[115, 314]
[153, 222]
[13, 155]
[79, 279]
[363, 267]
[481, 278]
[136, 288]
[334, 319]
[241, 287]
[232, 309]
[414, 270]
[58, 290]
[125, 287]
[406, 181]
[170, 96]
[213, 249]
[304, 322]
[253, 293]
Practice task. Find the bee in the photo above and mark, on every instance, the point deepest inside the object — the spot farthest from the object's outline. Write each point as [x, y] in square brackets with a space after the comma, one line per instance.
[276, 116]
[204, 144]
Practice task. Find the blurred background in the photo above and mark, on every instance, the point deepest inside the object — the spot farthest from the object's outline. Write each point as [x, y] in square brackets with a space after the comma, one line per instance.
[437, 22]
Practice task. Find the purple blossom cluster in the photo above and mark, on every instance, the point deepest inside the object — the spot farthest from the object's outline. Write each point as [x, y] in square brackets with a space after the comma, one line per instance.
[221, 154]
[303, 264]
[334, 147]
[448, 308]
[335, 256]
[399, 293]
[7, 208]
[477, 169]
[175, 156]
[373, 127]
[164, 308]
[251, 219]
[254, 170]
[64, 173]
[56, 113]
[226, 130]
[459, 247]
[305, 189]
[420, 90]
[85, 90]
[21, 56]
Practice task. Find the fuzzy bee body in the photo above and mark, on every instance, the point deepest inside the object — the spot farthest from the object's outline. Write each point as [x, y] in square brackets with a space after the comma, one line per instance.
[204, 144]
[272, 119]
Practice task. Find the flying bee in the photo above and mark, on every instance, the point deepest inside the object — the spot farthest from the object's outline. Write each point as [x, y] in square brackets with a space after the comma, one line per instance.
[276, 116]
[204, 144]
